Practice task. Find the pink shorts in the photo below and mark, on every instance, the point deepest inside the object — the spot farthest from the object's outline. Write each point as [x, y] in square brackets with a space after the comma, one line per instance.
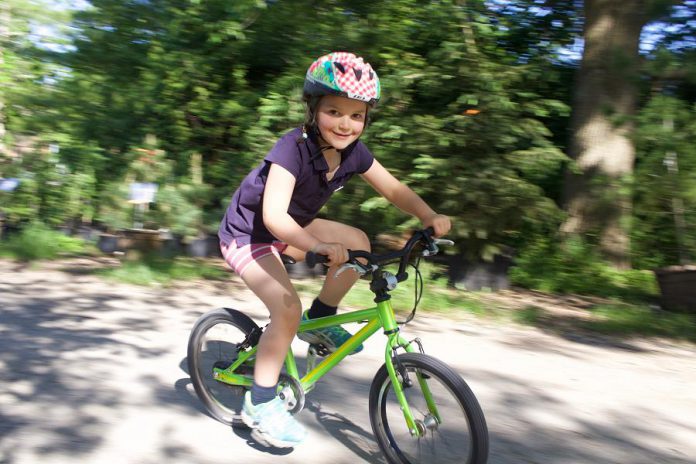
[238, 258]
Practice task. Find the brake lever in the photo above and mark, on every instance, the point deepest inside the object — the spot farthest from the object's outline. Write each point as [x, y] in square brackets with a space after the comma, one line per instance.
[433, 248]
[357, 267]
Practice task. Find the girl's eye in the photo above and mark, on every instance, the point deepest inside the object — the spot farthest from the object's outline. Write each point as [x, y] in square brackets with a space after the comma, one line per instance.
[333, 113]
[358, 116]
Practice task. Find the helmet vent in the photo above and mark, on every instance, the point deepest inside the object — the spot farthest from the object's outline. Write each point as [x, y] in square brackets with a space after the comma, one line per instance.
[340, 67]
[358, 73]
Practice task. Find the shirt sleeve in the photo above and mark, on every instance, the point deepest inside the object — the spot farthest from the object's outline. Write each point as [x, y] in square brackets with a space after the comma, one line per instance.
[286, 153]
[365, 158]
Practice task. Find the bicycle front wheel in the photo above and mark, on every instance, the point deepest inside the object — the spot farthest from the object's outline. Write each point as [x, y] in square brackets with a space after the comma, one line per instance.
[450, 421]
[215, 342]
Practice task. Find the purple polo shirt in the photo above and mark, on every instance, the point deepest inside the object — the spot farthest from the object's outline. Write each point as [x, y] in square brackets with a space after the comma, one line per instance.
[243, 220]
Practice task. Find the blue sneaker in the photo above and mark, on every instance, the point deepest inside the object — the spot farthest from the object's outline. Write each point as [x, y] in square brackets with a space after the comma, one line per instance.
[271, 424]
[331, 337]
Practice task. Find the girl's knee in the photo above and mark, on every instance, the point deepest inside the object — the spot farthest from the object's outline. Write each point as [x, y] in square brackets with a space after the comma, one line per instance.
[289, 314]
[359, 240]
[332, 231]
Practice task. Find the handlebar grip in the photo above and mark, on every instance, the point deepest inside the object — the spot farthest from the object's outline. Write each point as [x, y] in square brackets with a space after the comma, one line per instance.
[312, 259]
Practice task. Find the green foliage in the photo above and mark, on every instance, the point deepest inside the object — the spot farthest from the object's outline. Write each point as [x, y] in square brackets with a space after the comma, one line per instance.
[37, 241]
[178, 201]
[155, 270]
[575, 267]
[615, 319]
[487, 170]
[621, 319]
[474, 117]
[114, 211]
[21, 205]
[664, 226]
[48, 191]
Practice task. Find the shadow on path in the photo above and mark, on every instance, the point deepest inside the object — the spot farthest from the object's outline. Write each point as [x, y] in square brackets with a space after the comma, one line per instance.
[77, 352]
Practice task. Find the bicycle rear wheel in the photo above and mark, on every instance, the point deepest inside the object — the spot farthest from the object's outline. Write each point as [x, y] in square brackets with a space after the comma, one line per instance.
[215, 341]
[459, 436]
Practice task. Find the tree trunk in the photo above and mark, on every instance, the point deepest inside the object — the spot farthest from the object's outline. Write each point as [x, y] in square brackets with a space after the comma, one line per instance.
[597, 197]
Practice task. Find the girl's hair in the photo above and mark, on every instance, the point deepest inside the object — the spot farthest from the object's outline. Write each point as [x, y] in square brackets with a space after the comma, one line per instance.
[311, 105]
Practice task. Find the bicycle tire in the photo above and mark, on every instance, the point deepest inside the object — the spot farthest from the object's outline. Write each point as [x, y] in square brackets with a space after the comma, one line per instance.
[222, 401]
[465, 425]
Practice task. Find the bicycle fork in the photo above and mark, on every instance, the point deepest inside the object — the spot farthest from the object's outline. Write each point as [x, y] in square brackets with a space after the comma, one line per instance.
[401, 381]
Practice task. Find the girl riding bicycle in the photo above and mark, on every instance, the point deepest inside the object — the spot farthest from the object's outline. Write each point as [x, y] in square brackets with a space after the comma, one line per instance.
[274, 211]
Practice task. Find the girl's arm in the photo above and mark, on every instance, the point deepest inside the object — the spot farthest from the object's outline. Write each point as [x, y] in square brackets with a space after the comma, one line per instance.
[401, 196]
[276, 200]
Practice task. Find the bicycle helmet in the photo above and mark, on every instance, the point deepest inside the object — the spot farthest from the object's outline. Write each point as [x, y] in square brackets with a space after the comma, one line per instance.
[343, 74]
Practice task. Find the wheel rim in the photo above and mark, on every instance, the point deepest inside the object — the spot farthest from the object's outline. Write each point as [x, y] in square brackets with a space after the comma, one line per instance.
[219, 347]
[446, 442]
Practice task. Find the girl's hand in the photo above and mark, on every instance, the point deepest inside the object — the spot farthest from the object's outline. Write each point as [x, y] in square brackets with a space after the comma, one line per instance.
[439, 222]
[336, 252]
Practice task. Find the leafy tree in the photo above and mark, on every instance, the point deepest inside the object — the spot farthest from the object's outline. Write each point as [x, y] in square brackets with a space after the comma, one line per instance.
[475, 114]
[223, 79]
[664, 231]
[49, 191]
[606, 93]
[21, 64]
[462, 121]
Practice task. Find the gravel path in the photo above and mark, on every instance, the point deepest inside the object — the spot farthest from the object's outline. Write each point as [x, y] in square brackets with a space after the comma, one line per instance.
[92, 371]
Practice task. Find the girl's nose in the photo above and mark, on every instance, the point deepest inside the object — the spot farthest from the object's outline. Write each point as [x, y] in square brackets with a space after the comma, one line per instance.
[343, 123]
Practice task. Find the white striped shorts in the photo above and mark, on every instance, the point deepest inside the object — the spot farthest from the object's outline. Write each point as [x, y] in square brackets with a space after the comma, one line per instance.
[239, 258]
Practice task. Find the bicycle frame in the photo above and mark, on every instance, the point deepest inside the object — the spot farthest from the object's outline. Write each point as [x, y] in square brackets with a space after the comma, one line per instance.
[380, 316]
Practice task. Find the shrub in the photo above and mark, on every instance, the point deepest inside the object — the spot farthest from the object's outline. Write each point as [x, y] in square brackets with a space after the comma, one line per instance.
[37, 241]
[575, 267]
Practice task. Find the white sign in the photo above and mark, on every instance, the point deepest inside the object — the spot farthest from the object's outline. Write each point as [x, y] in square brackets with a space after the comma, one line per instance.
[142, 192]
[8, 185]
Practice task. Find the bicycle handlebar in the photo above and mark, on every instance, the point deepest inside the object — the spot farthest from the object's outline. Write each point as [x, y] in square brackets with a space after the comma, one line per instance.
[424, 235]
[312, 259]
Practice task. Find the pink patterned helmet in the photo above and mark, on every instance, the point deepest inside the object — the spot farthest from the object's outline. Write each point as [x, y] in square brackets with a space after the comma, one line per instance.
[343, 74]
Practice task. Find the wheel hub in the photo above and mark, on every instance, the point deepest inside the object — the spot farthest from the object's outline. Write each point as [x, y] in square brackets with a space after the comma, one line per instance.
[427, 423]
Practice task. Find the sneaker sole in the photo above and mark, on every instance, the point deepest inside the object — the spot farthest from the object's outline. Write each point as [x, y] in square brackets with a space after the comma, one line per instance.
[314, 339]
[262, 437]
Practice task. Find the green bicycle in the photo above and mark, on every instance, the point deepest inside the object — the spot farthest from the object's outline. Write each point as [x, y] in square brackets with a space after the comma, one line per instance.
[421, 410]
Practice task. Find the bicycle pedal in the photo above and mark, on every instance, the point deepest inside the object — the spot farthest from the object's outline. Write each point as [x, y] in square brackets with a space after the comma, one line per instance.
[320, 349]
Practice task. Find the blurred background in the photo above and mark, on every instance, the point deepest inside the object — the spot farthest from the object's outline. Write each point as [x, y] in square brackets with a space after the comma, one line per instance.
[559, 135]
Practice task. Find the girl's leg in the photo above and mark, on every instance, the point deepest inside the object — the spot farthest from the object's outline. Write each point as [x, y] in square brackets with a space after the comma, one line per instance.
[268, 417]
[335, 288]
[268, 279]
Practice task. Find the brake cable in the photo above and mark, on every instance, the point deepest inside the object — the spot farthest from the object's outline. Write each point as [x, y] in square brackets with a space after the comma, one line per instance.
[418, 291]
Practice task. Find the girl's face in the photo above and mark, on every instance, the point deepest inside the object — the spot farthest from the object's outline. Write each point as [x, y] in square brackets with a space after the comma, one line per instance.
[340, 120]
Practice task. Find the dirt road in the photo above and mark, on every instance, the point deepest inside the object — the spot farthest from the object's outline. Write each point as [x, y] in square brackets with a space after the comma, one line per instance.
[94, 372]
